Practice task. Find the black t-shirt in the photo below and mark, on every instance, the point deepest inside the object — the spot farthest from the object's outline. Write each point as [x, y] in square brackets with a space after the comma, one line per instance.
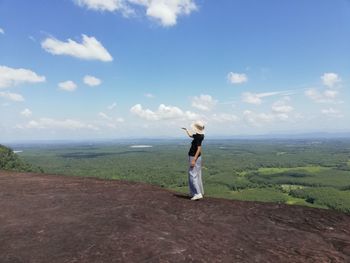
[197, 141]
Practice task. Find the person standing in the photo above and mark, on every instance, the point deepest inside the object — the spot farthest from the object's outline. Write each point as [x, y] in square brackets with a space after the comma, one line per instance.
[195, 161]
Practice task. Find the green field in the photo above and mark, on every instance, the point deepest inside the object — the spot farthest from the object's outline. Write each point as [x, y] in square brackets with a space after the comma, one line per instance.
[297, 172]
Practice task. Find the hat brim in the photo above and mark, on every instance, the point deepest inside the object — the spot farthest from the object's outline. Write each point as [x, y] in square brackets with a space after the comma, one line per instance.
[196, 130]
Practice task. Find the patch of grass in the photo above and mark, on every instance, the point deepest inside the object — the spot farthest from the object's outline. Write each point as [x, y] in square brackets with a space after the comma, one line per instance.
[325, 196]
[260, 194]
[300, 201]
[309, 176]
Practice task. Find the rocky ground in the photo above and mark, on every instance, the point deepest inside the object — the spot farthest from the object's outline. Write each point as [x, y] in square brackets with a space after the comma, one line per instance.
[50, 218]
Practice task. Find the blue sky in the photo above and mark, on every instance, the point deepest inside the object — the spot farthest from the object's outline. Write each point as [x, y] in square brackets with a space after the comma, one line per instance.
[85, 69]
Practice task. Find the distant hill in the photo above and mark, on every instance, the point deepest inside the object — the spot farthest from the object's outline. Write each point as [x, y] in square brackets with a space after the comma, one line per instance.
[10, 161]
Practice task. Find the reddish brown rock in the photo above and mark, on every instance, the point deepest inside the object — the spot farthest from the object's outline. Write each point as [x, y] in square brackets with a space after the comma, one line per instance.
[48, 218]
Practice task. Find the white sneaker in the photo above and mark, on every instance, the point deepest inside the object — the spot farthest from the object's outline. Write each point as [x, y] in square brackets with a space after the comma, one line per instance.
[197, 197]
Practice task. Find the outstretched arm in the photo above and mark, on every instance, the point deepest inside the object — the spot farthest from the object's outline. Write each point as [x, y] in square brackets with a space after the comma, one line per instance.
[188, 133]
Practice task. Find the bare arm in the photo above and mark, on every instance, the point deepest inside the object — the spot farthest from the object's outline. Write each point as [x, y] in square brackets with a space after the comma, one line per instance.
[188, 133]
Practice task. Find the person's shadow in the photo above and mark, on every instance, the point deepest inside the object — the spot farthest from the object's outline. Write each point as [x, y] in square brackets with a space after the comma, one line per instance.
[183, 196]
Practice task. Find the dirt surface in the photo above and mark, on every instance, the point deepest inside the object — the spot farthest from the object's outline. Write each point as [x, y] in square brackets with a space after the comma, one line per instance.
[50, 218]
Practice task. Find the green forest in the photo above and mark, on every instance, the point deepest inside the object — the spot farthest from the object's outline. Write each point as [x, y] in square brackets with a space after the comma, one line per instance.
[309, 172]
[11, 161]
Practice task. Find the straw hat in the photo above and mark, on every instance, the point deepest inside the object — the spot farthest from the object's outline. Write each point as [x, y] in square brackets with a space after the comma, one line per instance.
[198, 127]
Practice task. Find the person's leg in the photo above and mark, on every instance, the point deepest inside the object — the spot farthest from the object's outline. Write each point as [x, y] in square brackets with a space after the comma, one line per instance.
[190, 179]
[199, 168]
[193, 178]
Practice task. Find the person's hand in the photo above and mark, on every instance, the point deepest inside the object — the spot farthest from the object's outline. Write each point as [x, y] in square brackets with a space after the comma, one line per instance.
[193, 162]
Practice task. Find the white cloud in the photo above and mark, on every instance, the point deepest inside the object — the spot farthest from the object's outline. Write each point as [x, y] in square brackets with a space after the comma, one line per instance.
[282, 116]
[11, 96]
[112, 106]
[92, 81]
[14, 76]
[165, 12]
[256, 98]
[327, 96]
[281, 107]
[330, 94]
[102, 5]
[332, 112]
[330, 79]
[223, 118]
[163, 113]
[149, 95]
[89, 49]
[26, 113]
[257, 119]
[67, 124]
[2, 31]
[67, 85]
[314, 94]
[280, 112]
[143, 113]
[237, 78]
[204, 102]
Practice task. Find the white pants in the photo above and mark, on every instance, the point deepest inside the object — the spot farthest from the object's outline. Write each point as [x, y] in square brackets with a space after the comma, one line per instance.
[195, 176]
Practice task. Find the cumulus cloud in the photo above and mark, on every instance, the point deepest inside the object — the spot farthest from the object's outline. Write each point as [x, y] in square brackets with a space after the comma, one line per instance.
[281, 106]
[11, 96]
[330, 79]
[331, 112]
[203, 102]
[331, 94]
[237, 78]
[143, 113]
[26, 113]
[14, 76]
[257, 119]
[89, 49]
[2, 31]
[67, 85]
[67, 124]
[327, 96]
[163, 113]
[165, 12]
[92, 81]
